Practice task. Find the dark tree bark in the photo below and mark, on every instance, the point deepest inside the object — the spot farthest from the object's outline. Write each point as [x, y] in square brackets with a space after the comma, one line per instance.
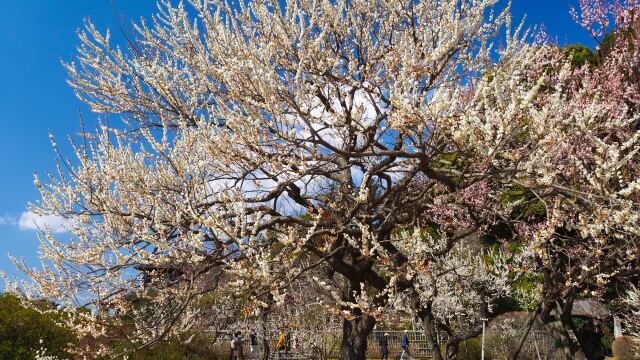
[354, 337]
[429, 327]
[452, 350]
[560, 330]
[266, 350]
[562, 338]
[358, 270]
[455, 337]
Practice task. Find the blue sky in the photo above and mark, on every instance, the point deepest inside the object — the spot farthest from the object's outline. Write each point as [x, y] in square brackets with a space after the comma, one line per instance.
[35, 99]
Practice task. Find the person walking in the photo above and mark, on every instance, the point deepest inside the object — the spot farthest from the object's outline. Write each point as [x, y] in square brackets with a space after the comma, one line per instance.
[233, 344]
[297, 344]
[384, 346]
[289, 335]
[237, 347]
[282, 343]
[405, 346]
[254, 349]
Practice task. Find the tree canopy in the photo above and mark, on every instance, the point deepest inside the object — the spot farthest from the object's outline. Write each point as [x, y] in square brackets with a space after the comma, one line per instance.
[364, 146]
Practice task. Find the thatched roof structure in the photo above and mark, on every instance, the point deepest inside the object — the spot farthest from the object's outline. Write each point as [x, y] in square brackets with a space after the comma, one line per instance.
[590, 308]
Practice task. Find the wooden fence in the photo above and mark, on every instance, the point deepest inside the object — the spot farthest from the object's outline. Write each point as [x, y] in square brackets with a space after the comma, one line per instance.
[328, 343]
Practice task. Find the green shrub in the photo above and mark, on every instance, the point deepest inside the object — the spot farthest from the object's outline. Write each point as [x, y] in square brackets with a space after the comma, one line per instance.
[470, 349]
[167, 351]
[197, 349]
[24, 330]
[579, 55]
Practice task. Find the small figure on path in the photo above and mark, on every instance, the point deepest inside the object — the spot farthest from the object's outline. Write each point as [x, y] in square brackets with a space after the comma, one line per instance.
[405, 347]
[232, 346]
[316, 352]
[282, 342]
[236, 347]
[297, 343]
[289, 334]
[254, 350]
[384, 346]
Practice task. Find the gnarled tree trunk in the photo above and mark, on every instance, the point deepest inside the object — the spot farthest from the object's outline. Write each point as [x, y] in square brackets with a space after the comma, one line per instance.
[429, 327]
[264, 314]
[452, 350]
[560, 328]
[354, 337]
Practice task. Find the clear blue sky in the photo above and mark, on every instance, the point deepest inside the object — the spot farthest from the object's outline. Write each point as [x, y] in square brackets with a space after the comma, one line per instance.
[35, 99]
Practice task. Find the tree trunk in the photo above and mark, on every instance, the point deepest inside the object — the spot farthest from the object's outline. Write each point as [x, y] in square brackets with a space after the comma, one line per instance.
[266, 350]
[452, 350]
[354, 337]
[562, 338]
[429, 327]
[523, 339]
[561, 334]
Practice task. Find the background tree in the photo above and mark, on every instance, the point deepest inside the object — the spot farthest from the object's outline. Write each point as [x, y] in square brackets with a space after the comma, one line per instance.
[26, 332]
[586, 256]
